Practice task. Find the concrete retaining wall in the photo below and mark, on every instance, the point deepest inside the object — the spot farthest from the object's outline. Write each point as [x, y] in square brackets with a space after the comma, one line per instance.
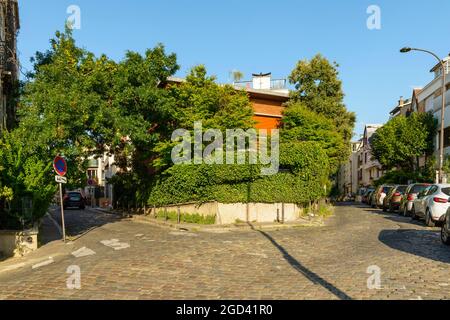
[18, 243]
[230, 213]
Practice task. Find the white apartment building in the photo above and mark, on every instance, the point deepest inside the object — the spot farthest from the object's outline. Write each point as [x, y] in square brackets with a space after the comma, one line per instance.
[348, 172]
[98, 191]
[429, 99]
[361, 170]
[369, 169]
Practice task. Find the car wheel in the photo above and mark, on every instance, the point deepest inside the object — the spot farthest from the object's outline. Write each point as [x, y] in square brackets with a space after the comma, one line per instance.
[428, 220]
[405, 211]
[445, 237]
[82, 208]
[384, 208]
[413, 214]
[391, 209]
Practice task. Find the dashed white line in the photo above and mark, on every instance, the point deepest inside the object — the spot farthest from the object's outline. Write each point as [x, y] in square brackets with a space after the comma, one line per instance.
[187, 234]
[83, 252]
[12, 267]
[263, 255]
[115, 244]
[43, 263]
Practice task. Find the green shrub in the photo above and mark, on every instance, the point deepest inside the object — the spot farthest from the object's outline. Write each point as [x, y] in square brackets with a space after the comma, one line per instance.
[187, 217]
[302, 179]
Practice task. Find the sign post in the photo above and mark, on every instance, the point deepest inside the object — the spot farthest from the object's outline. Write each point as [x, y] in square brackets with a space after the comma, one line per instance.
[60, 166]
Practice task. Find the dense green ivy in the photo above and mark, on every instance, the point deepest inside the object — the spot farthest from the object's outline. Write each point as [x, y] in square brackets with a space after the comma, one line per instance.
[303, 178]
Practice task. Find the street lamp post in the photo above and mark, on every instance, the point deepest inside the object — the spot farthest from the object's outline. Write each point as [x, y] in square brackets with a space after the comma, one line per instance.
[441, 138]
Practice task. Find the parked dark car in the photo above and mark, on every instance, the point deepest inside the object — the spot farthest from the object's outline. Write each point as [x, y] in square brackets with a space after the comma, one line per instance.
[380, 193]
[410, 195]
[366, 196]
[393, 199]
[74, 200]
[445, 228]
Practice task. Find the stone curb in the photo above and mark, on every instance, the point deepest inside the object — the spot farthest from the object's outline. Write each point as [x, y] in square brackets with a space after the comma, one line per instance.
[304, 222]
[234, 227]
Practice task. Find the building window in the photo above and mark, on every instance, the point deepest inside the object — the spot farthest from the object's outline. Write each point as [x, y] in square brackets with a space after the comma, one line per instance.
[446, 138]
[92, 174]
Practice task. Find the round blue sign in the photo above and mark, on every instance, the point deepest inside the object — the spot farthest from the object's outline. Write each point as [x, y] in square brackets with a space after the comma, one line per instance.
[60, 166]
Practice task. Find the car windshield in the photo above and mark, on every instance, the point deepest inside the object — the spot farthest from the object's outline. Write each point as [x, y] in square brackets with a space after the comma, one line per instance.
[418, 188]
[387, 189]
[446, 191]
[401, 189]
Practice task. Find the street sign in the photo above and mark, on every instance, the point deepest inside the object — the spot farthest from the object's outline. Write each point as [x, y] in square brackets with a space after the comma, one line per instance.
[60, 179]
[91, 182]
[60, 166]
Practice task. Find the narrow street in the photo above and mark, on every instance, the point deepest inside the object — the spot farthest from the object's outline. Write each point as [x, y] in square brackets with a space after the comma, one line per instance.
[121, 259]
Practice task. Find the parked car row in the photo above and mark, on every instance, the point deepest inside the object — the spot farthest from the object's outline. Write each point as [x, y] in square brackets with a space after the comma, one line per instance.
[430, 202]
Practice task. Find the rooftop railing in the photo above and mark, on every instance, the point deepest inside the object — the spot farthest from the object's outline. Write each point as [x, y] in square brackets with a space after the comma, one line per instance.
[276, 84]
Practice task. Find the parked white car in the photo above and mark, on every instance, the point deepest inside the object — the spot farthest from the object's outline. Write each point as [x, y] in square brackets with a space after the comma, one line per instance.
[431, 203]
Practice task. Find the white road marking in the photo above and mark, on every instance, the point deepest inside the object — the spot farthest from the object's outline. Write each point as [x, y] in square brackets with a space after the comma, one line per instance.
[263, 255]
[12, 267]
[83, 252]
[115, 244]
[43, 263]
[139, 235]
[175, 233]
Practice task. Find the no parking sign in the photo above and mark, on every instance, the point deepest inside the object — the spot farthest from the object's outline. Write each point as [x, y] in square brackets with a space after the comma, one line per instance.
[60, 166]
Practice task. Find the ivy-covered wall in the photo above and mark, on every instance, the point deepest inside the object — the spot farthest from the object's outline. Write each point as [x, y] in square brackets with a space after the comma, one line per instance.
[303, 178]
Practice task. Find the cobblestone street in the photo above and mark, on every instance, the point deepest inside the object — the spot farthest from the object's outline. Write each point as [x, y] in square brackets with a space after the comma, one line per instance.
[122, 259]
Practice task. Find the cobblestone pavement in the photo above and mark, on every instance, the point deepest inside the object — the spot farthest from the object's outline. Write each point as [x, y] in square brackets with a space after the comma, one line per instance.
[121, 259]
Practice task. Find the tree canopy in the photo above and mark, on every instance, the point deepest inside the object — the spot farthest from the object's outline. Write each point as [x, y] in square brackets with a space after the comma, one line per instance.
[318, 87]
[303, 124]
[399, 143]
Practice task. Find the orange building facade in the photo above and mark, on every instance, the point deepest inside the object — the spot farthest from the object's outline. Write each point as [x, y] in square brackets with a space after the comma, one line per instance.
[267, 104]
[267, 107]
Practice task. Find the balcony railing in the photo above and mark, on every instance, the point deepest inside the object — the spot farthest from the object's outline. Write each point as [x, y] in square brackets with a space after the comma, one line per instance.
[276, 84]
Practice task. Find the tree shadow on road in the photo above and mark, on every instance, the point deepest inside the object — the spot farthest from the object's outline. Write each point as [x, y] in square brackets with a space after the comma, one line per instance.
[394, 216]
[422, 243]
[311, 276]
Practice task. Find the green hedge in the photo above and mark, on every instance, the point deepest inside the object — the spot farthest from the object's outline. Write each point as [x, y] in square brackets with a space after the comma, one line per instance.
[304, 174]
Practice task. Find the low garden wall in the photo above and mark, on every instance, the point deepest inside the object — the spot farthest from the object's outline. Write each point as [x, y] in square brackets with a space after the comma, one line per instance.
[18, 243]
[235, 212]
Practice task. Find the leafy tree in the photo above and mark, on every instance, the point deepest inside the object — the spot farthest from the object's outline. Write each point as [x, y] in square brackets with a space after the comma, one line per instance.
[318, 87]
[28, 184]
[399, 143]
[80, 106]
[302, 124]
[200, 98]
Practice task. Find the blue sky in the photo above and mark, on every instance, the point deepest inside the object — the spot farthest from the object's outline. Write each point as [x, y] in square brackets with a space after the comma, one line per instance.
[263, 36]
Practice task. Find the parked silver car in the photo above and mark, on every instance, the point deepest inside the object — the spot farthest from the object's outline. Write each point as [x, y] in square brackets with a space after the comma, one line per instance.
[432, 203]
[410, 195]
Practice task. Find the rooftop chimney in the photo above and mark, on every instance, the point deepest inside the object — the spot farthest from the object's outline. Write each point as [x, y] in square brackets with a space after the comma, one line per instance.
[262, 81]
